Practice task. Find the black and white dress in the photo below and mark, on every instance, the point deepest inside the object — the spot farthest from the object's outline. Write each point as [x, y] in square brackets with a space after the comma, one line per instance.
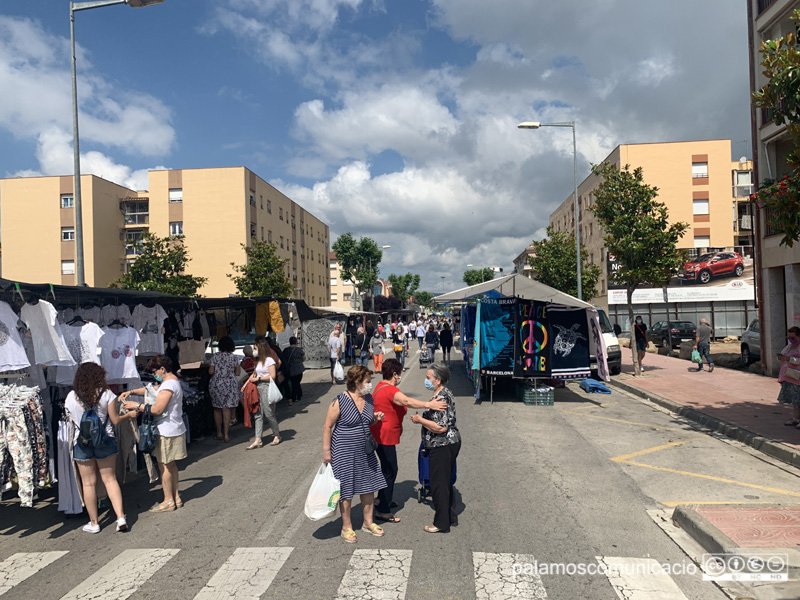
[357, 473]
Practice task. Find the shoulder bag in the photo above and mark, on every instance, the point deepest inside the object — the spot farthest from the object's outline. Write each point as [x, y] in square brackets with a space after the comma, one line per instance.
[147, 432]
[370, 444]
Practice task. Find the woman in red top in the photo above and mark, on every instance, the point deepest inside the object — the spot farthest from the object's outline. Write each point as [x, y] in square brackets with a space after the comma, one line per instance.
[389, 400]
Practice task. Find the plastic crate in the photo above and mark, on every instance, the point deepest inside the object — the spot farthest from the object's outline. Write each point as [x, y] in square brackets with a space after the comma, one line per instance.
[531, 396]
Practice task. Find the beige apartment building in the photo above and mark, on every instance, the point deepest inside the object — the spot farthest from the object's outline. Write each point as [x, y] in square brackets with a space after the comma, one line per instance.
[343, 292]
[697, 181]
[217, 210]
[777, 267]
[522, 263]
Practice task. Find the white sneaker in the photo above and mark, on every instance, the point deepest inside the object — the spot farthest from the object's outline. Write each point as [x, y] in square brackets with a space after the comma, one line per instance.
[122, 524]
[89, 528]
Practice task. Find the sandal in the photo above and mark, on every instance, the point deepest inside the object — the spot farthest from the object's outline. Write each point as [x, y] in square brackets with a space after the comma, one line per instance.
[374, 529]
[178, 503]
[792, 423]
[432, 529]
[349, 536]
[159, 508]
[275, 441]
[218, 437]
[388, 517]
[255, 445]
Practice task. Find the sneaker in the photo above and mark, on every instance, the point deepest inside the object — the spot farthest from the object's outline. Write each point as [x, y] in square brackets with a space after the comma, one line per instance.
[710, 368]
[699, 368]
[89, 528]
[122, 524]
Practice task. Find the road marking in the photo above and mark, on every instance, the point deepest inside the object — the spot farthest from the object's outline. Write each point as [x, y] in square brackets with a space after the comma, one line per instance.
[625, 457]
[121, 577]
[18, 567]
[376, 574]
[246, 574]
[281, 514]
[639, 579]
[722, 502]
[504, 577]
[601, 405]
[648, 425]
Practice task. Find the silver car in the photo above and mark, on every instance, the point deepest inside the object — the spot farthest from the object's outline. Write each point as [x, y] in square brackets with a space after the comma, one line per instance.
[751, 343]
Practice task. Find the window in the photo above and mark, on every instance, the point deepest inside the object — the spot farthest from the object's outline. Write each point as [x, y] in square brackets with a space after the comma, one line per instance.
[253, 230]
[701, 241]
[280, 213]
[252, 198]
[67, 234]
[347, 296]
[68, 267]
[132, 242]
[261, 202]
[137, 213]
[269, 236]
[269, 206]
[176, 228]
[176, 195]
[67, 201]
[700, 207]
[699, 170]
[333, 280]
[262, 234]
[281, 241]
[591, 229]
[334, 298]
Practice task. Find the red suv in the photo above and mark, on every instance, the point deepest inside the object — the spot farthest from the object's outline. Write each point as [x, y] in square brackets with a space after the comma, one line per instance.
[711, 265]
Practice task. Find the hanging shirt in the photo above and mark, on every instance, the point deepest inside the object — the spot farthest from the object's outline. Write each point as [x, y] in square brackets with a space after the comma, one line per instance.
[12, 352]
[149, 321]
[89, 313]
[48, 342]
[118, 353]
[110, 313]
[83, 342]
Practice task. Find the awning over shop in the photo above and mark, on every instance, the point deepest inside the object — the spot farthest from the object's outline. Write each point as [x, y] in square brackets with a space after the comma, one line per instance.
[514, 285]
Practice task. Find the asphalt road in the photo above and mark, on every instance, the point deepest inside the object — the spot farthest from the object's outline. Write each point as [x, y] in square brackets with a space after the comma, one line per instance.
[564, 485]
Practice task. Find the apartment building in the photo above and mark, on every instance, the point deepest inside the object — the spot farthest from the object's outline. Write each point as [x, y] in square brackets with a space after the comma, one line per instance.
[522, 264]
[342, 291]
[778, 267]
[217, 210]
[697, 181]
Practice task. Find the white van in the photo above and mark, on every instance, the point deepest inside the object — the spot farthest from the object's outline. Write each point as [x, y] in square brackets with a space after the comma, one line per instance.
[614, 353]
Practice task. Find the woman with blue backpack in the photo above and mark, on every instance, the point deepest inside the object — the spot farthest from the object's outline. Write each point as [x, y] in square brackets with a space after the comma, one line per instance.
[92, 408]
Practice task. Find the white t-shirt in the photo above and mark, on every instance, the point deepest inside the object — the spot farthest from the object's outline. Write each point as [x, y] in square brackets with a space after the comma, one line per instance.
[262, 369]
[110, 313]
[76, 410]
[170, 422]
[12, 352]
[118, 353]
[48, 341]
[334, 345]
[149, 321]
[83, 343]
[90, 313]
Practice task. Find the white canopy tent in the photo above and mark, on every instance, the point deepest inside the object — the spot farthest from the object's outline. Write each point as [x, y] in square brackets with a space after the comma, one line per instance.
[514, 285]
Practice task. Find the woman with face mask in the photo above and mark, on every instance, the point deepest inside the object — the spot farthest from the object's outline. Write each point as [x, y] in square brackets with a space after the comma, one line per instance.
[343, 446]
[789, 375]
[442, 441]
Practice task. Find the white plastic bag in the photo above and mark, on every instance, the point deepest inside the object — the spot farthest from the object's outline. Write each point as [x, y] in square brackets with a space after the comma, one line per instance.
[338, 371]
[323, 495]
[274, 394]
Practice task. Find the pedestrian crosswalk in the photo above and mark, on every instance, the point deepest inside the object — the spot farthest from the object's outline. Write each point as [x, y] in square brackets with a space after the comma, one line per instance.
[248, 574]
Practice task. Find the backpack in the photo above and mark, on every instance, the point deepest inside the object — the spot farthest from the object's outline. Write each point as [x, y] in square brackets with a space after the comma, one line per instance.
[91, 430]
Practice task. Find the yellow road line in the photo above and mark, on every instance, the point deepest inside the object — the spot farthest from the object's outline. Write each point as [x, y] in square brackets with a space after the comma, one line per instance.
[673, 504]
[625, 457]
[603, 405]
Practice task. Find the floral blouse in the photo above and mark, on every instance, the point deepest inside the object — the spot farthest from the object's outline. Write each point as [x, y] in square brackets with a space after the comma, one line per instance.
[445, 418]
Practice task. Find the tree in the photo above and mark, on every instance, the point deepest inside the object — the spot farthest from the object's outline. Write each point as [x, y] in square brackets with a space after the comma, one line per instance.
[424, 299]
[404, 286]
[554, 264]
[160, 267]
[263, 273]
[383, 303]
[476, 276]
[358, 260]
[638, 232]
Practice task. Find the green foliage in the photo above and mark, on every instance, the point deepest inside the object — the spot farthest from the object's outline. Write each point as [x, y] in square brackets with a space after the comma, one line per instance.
[476, 276]
[354, 260]
[554, 264]
[263, 273]
[383, 303]
[404, 286]
[783, 197]
[160, 267]
[424, 299]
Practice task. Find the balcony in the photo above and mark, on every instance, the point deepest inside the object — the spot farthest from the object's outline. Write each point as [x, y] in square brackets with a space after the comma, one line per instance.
[769, 229]
[742, 191]
[764, 5]
[137, 219]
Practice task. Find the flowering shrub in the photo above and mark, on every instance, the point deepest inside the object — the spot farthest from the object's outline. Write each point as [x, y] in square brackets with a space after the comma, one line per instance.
[782, 196]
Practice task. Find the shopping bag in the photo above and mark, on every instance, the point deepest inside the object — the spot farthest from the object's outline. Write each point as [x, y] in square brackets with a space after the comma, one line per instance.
[323, 495]
[147, 432]
[696, 358]
[274, 394]
[338, 371]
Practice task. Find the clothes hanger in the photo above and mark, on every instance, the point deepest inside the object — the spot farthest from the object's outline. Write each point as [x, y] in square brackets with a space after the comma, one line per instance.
[76, 320]
[116, 324]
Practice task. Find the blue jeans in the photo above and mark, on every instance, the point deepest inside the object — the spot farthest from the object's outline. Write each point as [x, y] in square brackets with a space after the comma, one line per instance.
[108, 448]
[704, 348]
[363, 359]
[420, 339]
[401, 356]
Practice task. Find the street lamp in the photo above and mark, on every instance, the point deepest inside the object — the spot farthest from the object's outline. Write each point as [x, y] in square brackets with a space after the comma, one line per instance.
[372, 291]
[537, 125]
[73, 8]
[442, 278]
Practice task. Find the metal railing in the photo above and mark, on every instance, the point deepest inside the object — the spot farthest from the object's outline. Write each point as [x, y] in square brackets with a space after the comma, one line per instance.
[137, 219]
[770, 229]
[764, 5]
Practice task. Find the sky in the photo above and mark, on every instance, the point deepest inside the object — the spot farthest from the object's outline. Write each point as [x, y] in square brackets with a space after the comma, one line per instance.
[392, 119]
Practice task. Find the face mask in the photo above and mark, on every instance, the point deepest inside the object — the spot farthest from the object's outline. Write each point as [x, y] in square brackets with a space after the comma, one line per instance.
[429, 385]
[255, 352]
[367, 389]
[639, 321]
[793, 342]
[398, 381]
[158, 378]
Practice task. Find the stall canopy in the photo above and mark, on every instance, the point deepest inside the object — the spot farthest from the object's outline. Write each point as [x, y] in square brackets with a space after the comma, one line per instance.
[510, 286]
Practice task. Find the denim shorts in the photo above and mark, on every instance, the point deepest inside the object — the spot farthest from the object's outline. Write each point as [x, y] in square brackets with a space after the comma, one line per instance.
[109, 448]
[641, 345]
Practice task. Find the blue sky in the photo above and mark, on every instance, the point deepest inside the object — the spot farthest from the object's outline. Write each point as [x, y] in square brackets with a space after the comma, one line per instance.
[394, 119]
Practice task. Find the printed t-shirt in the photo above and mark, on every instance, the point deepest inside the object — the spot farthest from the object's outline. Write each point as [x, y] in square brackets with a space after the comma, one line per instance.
[83, 342]
[12, 352]
[76, 410]
[48, 341]
[118, 353]
[110, 313]
[149, 321]
[170, 422]
[388, 431]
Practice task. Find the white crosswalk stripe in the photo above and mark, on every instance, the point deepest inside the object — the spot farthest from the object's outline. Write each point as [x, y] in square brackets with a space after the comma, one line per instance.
[246, 574]
[640, 579]
[504, 577]
[18, 567]
[376, 574]
[118, 579]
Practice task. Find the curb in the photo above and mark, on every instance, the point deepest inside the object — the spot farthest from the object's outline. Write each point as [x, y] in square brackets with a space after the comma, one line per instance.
[769, 447]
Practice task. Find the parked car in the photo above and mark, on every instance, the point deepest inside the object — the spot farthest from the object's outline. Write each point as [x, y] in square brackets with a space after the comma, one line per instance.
[711, 265]
[751, 343]
[681, 331]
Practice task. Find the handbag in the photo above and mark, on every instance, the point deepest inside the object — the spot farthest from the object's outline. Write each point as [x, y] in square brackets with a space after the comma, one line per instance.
[370, 444]
[398, 348]
[147, 432]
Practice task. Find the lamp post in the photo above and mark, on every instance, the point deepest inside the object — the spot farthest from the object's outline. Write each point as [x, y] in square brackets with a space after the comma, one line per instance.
[537, 125]
[474, 267]
[73, 8]
[372, 291]
[442, 277]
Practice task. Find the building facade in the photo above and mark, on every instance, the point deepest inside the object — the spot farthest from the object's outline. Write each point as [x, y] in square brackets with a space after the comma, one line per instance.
[343, 291]
[217, 210]
[778, 267]
[522, 263]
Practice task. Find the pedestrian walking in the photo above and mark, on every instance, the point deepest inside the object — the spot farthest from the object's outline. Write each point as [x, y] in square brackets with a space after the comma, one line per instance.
[224, 387]
[789, 375]
[432, 341]
[641, 339]
[90, 392]
[361, 347]
[266, 371]
[294, 357]
[703, 344]
[420, 333]
[343, 446]
[442, 440]
[399, 342]
[376, 350]
[446, 339]
[393, 403]
[335, 349]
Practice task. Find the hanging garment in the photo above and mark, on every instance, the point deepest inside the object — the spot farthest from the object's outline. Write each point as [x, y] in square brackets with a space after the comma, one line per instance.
[90, 313]
[268, 317]
[83, 342]
[110, 313]
[569, 329]
[14, 438]
[149, 321]
[69, 498]
[48, 341]
[118, 353]
[12, 352]
[192, 351]
[186, 325]
[34, 371]
[66, 315]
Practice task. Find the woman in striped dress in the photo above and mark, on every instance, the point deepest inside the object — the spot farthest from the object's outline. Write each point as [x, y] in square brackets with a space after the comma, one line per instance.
[343, 436]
